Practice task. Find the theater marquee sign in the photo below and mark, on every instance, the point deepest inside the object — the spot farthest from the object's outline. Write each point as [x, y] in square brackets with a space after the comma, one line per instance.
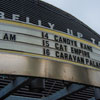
[50, 45]
[53, 45]
[35, 50]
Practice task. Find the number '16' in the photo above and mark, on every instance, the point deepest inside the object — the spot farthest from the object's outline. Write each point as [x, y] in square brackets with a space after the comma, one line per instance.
[46, 52]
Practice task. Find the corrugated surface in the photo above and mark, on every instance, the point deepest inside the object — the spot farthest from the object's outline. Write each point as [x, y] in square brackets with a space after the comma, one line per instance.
[38, 10]
[51, 86]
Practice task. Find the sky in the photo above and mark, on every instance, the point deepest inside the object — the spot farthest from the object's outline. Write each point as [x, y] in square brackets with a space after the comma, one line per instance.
[88, 11]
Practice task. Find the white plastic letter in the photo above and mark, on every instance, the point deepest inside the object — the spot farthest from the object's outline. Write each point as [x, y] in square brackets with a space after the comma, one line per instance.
[15, 17]
[27, 20]
[79, 35]
[93, 40]
[2, 15]
[39, 22]
[70, 32]
[51, 25]
[99, 43]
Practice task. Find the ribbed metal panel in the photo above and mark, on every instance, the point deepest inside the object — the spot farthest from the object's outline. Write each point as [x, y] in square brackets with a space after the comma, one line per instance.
[51, 86]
